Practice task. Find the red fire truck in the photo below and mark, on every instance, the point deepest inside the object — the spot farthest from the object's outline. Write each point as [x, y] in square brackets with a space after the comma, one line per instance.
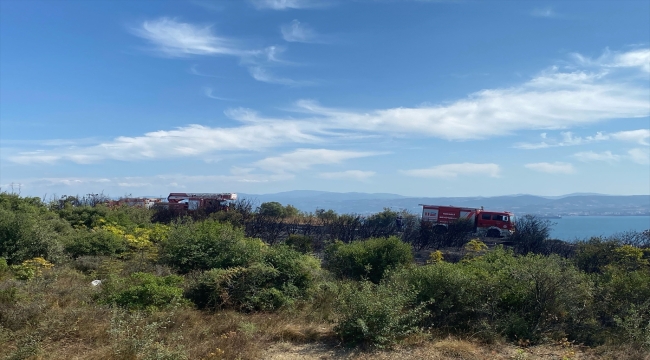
[486, 223]
[196, 201]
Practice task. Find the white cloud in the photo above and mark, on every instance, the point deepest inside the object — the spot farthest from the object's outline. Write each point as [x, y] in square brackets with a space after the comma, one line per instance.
[133, 184]
[192, 140]
[543, 12]
[301, 159]
[262, 74]
[640, 155]
[161, 184]
[606, 156]
[208, 92]
[174, 38]
[639, 136]
[552, 168]
[453, 170]
[349, 174]
[177, 39]
[298, 32]
[287, 4]
[567, 139]
[551, 100]
[639, 58]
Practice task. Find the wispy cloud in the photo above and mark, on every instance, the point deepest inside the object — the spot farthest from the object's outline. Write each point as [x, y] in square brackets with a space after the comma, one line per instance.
[640, 136]
[567, 138]
[301, 159]
[173, 38]
[208, 92]
[546, 12]
[166, 182]
[454, 170]
[288, 4]
[640, 155]
[606, 156]
[194, 71]
[170, 37]
[552, 168]
[638, 58]
[348, 174]
[552, 100]
[296, 31]
[264, 75]
[192, 140]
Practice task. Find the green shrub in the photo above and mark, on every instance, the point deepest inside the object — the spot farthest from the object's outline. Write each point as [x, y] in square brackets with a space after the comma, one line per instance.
[143, 291]
[283, 276]
[367, 259]
[26, 235]
[377, 315]
[521, 297]
[453, 292]
[301, 243]
[207, 245]
[95, 243]
[240, 288]
[294, 268]
[619, 291]
[82, 216]
[635, 325]
[594, 254]
[537, 296]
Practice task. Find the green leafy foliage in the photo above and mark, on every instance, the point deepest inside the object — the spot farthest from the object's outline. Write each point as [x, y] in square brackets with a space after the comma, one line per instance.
[144, 291]
[300, 243]
[369, 259]
[377, 314]
[272, 209]
[207, 245]
[95, 243]
[521, 297]
[593, 255]
[28, 230]
[282, 276]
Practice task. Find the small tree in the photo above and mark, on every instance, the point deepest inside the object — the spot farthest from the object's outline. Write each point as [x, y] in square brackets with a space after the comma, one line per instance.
[530, 234]
[271, 209]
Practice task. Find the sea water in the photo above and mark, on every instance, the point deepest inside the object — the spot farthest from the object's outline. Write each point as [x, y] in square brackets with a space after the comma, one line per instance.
[572, 228]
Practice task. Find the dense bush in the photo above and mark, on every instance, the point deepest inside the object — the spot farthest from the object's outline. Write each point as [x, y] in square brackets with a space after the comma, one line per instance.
[301, 243]
[95, 243]
[28, 234]
[143, 291]
[368, 258]
[282, 277]
[207, 245]
[521, 297]
[377, 315]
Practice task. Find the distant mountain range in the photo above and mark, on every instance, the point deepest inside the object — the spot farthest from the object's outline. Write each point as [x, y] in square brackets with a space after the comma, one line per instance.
[365, 203]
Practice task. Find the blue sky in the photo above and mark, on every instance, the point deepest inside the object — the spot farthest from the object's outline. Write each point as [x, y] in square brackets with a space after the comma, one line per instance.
[421, 98]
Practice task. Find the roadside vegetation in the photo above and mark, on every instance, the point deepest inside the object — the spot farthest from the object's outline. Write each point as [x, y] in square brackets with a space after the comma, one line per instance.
[81, 280]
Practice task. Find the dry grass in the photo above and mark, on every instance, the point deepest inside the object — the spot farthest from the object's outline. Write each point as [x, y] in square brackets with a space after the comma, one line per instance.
[56, 316]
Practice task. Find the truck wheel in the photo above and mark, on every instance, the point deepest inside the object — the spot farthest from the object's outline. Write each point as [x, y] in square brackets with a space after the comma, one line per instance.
[493, 233]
